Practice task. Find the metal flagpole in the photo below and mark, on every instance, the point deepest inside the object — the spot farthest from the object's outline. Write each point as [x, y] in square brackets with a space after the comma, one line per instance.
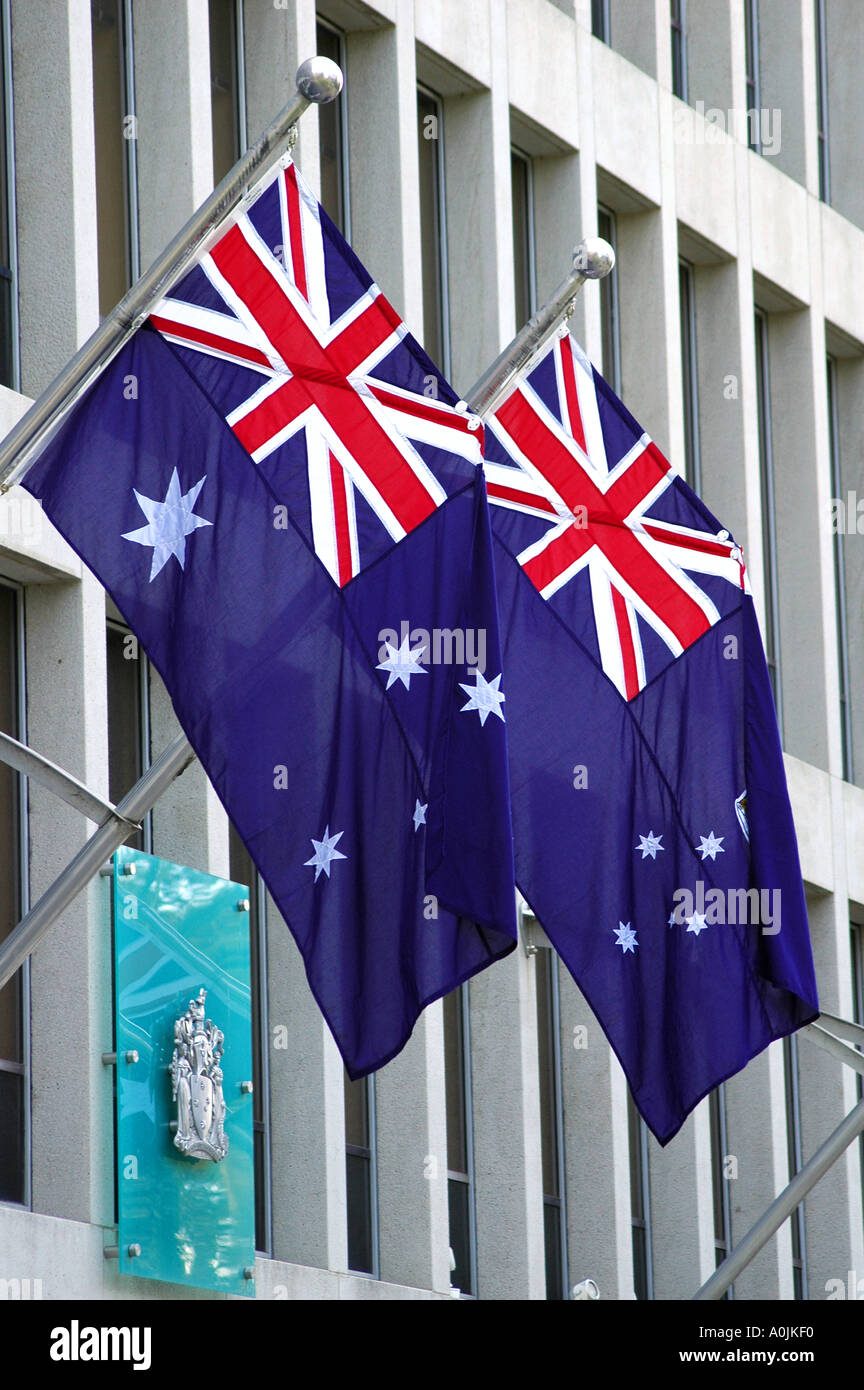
[318, 80]
[791, 1196]
[88, 861]
[593, 259]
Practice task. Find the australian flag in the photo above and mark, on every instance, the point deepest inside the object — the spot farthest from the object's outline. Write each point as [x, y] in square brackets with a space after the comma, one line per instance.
[273, 483]
[653, 832]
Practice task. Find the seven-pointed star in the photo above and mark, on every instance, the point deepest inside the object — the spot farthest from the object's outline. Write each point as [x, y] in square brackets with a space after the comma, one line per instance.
[420, 814]
[168, 523]
[625, 937]
[649, 844]
[711, 845]
[401, 664]
[696, 923]
[485, 696]
[325, 852]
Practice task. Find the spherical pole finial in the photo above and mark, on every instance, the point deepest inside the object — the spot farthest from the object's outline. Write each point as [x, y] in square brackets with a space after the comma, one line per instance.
[593, 258]
[319, 79]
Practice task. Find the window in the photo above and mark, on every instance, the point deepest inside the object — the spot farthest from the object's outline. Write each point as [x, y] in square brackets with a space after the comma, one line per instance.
[227, 85]
[522, 186]
[769, 527]
[857, 944]
[9, 348]
[433, 235]
[243, 870]
[600, 19]
[128, 720]
[551, 1124]
[116, 149]
[795, 1157]
[333, 136]
[839, 576]
[610, 318]
[14, 1002]
[678, 19]
[751, 51]
[689, 377]
[640, 1204]
[361, 1175]
[460, 1140]
[719, 1180]
[822, 101]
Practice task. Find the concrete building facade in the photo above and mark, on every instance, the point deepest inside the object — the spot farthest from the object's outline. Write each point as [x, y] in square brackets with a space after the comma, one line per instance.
[715, 143]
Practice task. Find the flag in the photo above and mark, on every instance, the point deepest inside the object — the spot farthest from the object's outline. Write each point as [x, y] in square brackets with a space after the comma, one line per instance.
[273, 484]
[653, 832]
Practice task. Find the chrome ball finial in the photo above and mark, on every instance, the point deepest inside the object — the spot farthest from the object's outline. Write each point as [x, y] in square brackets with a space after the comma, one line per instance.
[319, 79]
[593, 258]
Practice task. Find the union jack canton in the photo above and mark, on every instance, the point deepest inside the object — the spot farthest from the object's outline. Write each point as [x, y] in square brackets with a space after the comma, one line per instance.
[318, 378]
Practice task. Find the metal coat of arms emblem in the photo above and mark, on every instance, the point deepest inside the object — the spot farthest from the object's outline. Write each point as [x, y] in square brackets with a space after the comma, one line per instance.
[196, 1080]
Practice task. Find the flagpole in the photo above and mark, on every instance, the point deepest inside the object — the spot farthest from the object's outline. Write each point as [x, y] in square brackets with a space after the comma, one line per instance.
[318, 80]
[593, 259]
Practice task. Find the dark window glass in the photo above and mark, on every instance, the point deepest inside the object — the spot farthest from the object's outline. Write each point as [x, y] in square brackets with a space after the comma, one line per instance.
[459, 1155]
[430, 129]
[113, 113]
[751, 51]
[360, 1177]
[796, 1160]
[600, 19]
[124, 715]
[720, 1182]
[550, 1122]
[523, 249]
[331, 134]
[640, 1204]
[12, 1069]
[769, 528]
[243, 871]
[822, 101]
[610, 319]
[839, 575]
[679, 48]
[689, 379]
[224, 113]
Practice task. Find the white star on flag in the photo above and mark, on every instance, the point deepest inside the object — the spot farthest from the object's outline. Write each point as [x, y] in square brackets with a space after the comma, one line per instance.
[485, 696]
[168, 523]
[625, 937]
[420, 814]
[649, 844]
[401, 664]
[697, 923]
[325, 853]
[711, 845]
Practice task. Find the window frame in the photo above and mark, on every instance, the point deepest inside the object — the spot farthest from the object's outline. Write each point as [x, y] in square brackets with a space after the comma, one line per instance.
[610, 306]
[640, 1174]
[773, 653]
[519, 156]
[822, 125]
[341, 106]
[443, 260]
[468, 1178]
[547, 958]
[720, 1183]
[689, 375]
[841, 610]
[753, 84]
[369, 1154]
[795, 1160]
[24, 1067]
[678, 28]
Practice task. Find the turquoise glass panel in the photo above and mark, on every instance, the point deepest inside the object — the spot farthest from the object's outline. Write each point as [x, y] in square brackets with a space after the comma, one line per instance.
[177, 931]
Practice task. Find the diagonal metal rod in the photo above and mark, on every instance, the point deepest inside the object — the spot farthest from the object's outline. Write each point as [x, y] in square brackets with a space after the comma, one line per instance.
[841, 1050]
[318, 80]
[851, 1032]
[593, 258]
[783, 1206]
[39, 769]
[92, 855]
